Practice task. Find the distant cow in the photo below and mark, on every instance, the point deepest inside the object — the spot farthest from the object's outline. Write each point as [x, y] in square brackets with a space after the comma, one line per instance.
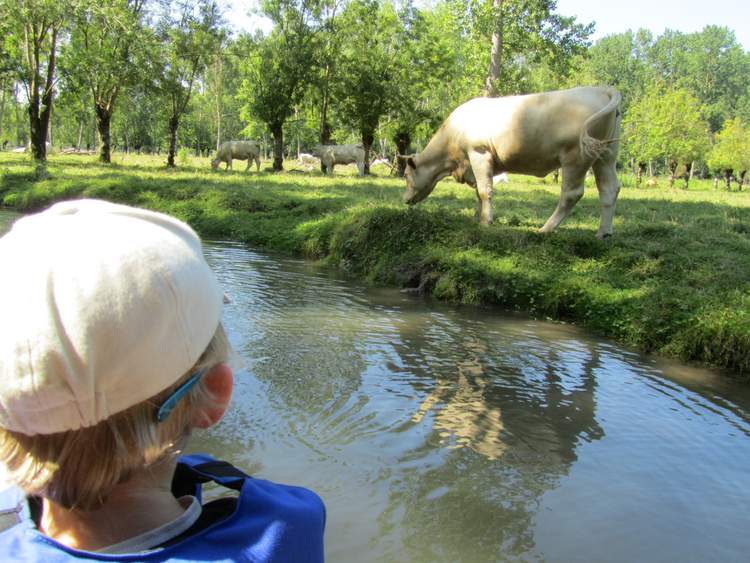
[533, 134]
[240, 150]
[330, 155]
[501, 178]
[306, 158]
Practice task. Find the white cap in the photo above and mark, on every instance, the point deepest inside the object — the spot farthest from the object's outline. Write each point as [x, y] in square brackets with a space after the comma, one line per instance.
[102, 306]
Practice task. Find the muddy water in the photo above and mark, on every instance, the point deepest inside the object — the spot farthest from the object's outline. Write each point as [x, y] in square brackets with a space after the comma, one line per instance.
[437, 433]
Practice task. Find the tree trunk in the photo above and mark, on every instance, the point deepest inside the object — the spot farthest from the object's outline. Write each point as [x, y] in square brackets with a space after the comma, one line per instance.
[3, 93]
[496, 52]
[728, 178]
[650, 168]
[103, 120]
[325, 127]
[174, 123]
[20, 137]
[367, 139]
[672, 168]
[218, 73]
[403, 139]
[38, 124]
[218, 128]
[741, 181]
[39, 114]
[278, 148]
[80, 135]
[640, 167]
[49, 141]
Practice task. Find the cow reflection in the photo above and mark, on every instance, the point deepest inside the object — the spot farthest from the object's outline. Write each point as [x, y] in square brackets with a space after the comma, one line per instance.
[461, 413]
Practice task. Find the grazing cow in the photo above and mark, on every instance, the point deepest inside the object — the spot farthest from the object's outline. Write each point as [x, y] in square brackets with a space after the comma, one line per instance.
[330, 155]
[241, 150]
[533, 134]
[501, 178]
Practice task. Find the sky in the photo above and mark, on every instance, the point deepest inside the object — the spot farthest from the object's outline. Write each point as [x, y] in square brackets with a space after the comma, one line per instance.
[610, 16]
[657, 15]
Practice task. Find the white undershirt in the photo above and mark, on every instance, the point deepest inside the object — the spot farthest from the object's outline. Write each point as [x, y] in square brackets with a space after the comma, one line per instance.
[148, 540]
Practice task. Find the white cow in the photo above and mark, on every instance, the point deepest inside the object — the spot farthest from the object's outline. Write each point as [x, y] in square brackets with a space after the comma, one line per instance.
[534, 134]
[241, 150]
[330, 155]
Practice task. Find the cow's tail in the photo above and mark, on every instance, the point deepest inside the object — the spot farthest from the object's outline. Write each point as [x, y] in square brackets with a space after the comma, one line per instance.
[592, 147]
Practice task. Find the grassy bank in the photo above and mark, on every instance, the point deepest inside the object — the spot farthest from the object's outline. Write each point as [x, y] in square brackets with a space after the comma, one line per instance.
[675, 278]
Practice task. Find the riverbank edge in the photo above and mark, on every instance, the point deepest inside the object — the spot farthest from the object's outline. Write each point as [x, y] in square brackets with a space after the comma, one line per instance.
[437, 253]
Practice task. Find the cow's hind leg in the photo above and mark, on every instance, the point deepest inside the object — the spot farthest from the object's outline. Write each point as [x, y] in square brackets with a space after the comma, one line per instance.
[609, 187]
[481, 167]
[570, 192]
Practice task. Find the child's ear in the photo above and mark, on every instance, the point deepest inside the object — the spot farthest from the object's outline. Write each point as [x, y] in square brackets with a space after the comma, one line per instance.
[219, 382]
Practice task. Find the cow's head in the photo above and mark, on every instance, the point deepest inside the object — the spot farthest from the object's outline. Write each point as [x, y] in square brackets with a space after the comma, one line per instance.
[419, 179]
[215, 163]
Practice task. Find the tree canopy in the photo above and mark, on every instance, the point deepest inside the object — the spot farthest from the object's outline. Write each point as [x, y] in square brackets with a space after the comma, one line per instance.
[161, 74]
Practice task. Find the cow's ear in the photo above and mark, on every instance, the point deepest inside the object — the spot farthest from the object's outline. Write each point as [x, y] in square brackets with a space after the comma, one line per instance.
[410, 162]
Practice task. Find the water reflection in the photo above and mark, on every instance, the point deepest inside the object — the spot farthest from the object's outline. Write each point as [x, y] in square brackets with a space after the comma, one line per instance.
[444, 434]
[437, 433]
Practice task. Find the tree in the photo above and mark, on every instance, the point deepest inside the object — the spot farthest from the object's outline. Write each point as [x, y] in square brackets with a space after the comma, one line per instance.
[731, 151]
[328, 46]
[710, 63]
[365, 85]
[667, 124]
[621, 60]
[189, 37]
[522, 32]
[35, 27]
[278, 68]
[105, 54]
[426, 44]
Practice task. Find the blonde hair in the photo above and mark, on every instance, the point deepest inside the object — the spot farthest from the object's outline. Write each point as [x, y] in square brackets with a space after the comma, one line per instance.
[80, 468]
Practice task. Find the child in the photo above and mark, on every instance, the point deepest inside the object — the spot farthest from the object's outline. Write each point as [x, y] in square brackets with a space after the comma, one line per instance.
[111, 353]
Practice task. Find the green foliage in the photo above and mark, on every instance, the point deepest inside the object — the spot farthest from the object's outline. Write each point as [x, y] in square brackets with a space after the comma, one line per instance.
[366, 84]
[106, 53]
[731, 151]
[189, 36]
[710, 64]
[278, 69]
[621, 60]
[529, 33]
[666, 124]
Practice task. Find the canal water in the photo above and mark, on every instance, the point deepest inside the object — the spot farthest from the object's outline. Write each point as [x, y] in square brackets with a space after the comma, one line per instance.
[437, 433]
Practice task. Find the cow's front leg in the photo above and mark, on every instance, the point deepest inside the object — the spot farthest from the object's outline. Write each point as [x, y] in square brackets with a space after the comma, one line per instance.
[481, 167]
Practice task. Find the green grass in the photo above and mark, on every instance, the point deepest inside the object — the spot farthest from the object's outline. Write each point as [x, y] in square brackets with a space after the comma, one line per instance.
[675, 278]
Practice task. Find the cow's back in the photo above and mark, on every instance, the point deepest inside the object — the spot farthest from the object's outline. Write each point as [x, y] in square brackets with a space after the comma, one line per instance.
[527, 133]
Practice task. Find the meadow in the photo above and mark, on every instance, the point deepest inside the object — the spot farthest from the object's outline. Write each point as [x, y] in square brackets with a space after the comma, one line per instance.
[674, 279]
